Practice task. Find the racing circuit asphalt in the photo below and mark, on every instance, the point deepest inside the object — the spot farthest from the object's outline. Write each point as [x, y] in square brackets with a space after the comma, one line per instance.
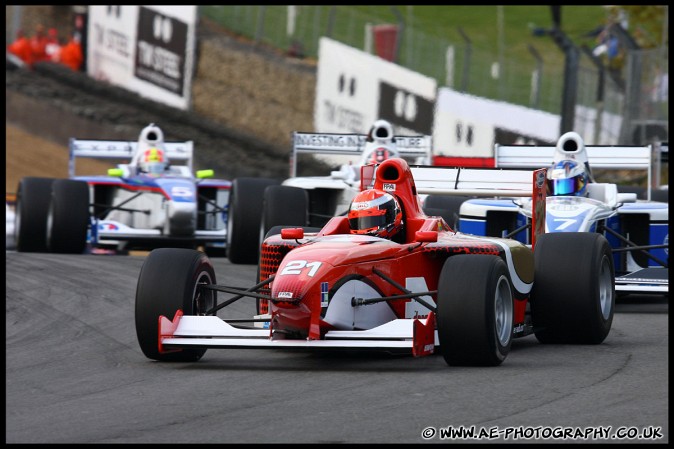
[75, 374]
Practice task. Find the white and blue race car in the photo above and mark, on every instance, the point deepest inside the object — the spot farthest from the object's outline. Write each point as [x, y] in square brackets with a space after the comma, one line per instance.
[638, 230]
[128, 208]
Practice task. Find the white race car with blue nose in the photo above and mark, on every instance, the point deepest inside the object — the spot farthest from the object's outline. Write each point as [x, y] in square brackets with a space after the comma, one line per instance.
[638, 230]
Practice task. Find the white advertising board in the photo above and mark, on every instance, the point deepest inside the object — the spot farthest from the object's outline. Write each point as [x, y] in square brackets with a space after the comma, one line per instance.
[354, 89]
[469, 126]
[145, 49]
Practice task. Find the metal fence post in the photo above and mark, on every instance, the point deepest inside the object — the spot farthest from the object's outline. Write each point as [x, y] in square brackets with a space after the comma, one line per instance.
[449, 67]
[570, 79]
[17, 12]
[401, 30]
[600, 92]
[537, 76]
[633, 65]
[331, 21]
[367, 45]
[317, 26]
[259, 31]
[466, 61]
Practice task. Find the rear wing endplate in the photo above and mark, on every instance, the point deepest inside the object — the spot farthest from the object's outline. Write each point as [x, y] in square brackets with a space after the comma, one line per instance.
[418, 147]
[119, 149]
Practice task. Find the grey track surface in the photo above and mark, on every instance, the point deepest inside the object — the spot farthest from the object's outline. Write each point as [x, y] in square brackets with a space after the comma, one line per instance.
[75, 374]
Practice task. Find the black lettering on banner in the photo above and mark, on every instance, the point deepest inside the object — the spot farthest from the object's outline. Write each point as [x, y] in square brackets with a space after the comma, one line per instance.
[114, 10]
[161, 50]
[346, 85]
[344, 118]
[328, 140]
[405, 109]
[464, 133]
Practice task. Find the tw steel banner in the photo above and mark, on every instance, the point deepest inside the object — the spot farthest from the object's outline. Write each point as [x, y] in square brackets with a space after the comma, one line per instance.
[161, 50]
[355, 88]
[146, 49]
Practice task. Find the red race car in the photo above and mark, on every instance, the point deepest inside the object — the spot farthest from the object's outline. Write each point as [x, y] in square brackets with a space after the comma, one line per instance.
[428, 290]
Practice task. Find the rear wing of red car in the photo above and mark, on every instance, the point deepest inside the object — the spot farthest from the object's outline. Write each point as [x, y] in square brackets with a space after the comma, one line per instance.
[123, 150]
[431, 180]
[488, 183]
[414, 147]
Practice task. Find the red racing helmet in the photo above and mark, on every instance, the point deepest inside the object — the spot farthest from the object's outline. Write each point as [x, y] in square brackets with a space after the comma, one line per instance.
[375, 212]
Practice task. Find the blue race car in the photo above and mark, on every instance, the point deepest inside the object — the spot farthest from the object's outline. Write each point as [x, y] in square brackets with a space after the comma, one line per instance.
[148, 202]
[638, 230]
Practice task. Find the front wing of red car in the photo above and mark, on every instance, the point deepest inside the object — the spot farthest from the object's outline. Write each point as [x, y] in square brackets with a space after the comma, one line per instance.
[401, 336]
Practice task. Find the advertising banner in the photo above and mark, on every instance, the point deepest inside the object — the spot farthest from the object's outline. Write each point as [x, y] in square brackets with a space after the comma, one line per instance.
[355, 88]
[146, 49]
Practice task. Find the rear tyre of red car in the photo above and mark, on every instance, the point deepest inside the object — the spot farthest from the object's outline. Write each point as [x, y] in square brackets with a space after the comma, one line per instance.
[32, 206]
[573, 297]
[474, 310]
[243, 219]
[168, 282]
[68, 217]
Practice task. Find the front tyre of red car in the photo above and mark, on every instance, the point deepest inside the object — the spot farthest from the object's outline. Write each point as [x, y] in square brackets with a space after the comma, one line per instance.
[573, 297]
[169, 281]
[474, 310]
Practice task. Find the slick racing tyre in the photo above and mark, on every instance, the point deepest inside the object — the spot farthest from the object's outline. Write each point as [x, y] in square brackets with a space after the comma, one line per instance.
[68, 217]
[168, 282]
[32, 206]
[243, 219]
[475, 310]
[283, 206]
[573, 297]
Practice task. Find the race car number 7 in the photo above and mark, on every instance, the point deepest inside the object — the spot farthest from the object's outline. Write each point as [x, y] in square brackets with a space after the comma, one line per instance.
[296, 267]
[566, 223]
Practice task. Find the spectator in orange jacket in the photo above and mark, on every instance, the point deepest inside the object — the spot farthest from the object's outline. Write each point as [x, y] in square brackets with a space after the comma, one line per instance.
[21, 48]
[71, 53]
[38, 44]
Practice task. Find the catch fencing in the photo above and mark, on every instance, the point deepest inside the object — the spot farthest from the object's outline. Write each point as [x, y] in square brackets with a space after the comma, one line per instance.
[625, 106]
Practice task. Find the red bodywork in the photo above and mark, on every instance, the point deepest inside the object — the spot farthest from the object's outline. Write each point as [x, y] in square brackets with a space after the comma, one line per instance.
[334, 256]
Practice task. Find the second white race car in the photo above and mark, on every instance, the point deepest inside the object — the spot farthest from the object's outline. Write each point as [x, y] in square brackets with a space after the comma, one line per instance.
[638, 230]
[134, 206]
[312, 200]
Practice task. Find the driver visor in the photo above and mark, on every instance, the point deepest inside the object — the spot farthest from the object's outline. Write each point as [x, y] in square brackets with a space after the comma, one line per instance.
[567, 186]
[369, 221]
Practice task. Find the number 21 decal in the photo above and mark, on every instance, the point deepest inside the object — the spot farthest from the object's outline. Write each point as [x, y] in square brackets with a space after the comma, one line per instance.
[296, 267]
